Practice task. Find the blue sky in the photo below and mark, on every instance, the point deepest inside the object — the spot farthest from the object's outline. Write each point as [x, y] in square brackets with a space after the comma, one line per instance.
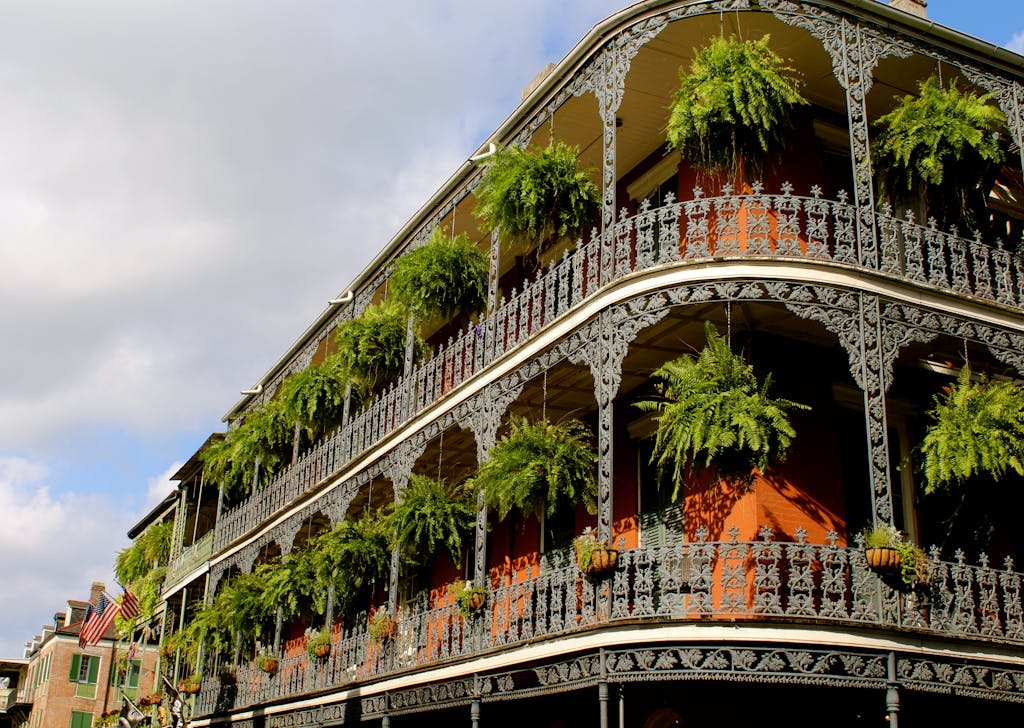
[157, 159]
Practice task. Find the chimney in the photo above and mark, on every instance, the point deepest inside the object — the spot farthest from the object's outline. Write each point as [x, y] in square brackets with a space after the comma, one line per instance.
[914, 7]
[538, 80]
[94, 593]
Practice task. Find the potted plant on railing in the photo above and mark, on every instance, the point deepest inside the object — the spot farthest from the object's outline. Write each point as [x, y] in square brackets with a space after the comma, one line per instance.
[712, 409]
[538, 467]
[888, 553]
[383, 628]
[228, 675]
[469, 598]
[945, 144]
[267, 662]
[595, 557]
[976, 428]
[537, 196]
[441, 278]
[733, 106]
[319, 645]
[191, 684]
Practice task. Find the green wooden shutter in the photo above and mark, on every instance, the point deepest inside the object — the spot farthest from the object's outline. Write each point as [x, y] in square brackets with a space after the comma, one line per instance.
[76, 665]
[94, 669]
[80, 719]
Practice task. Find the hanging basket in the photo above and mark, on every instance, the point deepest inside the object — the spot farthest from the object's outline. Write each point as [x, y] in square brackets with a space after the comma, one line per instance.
[602, 562]
[322, 651]
[883, 560]
[269, 665]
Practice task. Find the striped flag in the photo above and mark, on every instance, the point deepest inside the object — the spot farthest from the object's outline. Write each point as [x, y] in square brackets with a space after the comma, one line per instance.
[129, 605]
[133, 648]
[97, 621]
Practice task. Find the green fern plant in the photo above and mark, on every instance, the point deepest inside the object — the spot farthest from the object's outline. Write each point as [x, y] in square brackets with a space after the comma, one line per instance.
[976, 427]
[950, 142]
[315, 397]
[539, 467]
[355, 556]
[712, 409]
[733, 106]
[537, 195]
[371, 347]
[442, 277]
[150, 550]
[431, 515]
[266, 436]
[290, 583]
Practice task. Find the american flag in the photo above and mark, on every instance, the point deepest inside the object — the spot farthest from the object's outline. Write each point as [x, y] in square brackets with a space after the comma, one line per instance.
[129, 605]
[133, 648]
[98, 619]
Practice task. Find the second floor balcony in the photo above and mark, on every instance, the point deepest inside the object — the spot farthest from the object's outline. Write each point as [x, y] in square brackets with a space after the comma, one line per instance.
[748, 585]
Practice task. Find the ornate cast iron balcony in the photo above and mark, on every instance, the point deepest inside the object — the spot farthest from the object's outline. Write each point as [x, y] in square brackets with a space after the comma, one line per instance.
[781, 227]
[736, 581]
[189, 559]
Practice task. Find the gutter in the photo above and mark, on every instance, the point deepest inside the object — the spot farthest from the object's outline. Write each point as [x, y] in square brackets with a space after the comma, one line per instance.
[588, 46]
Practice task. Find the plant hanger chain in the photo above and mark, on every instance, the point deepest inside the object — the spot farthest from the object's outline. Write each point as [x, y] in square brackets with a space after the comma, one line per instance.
[440, 452]
[544, 398]
[728, 324]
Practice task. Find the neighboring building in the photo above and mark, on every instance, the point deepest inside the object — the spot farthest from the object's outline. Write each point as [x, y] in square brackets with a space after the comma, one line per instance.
[71, 687]
[752, 606]
[14, 709]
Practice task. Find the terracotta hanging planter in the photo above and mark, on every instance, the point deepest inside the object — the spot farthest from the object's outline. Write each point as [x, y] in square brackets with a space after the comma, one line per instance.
[883, 560]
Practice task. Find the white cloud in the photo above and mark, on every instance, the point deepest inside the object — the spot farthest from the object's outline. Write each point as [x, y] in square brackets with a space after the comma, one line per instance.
[1016, 44]
[53, 546]
[159, 486]
[184, 186]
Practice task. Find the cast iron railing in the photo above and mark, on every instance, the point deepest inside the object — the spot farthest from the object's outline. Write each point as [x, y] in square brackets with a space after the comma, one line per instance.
[739, 581]
[756, 225]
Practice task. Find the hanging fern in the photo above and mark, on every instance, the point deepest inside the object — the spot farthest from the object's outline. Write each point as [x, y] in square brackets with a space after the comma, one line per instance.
[540, 467]
[150, 550]
[290, 583]
[537, 195]
[441, 278]
[711, 408]
[952, 143]
[355, 557]
[733, 106]
[265, 436]
[371, 348]
[315, 397]
[976, 427]
[431, 515]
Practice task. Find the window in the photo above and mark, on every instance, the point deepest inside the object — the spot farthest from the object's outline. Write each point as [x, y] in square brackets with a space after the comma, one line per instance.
[80, 719]
[126, 677]
[661, 520]
[84, 670]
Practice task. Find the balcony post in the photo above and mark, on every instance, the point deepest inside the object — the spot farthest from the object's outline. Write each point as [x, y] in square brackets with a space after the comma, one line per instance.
[278, 623]
[489, 407]
[892, 692]
[874, 382]
[474, 713]
[602, 692]
[611, 334]
[410, 352]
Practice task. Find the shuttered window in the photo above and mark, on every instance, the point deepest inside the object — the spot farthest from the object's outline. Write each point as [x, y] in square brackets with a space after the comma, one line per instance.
[85, 670]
